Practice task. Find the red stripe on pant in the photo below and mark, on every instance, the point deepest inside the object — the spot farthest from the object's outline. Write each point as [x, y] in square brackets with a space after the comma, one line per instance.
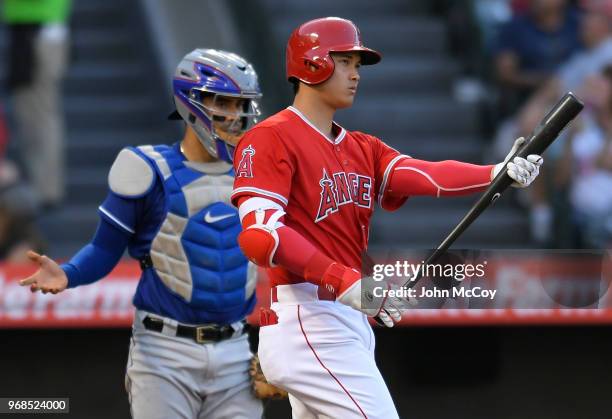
[324, 367]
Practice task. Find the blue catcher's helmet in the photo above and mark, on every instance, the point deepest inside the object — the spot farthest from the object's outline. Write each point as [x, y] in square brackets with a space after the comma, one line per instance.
[201, 78]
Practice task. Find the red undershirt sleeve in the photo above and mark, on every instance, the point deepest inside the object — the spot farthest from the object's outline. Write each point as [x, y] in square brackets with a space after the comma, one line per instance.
[294, 252]
[444, 178]
[399, 176]
[299, 256]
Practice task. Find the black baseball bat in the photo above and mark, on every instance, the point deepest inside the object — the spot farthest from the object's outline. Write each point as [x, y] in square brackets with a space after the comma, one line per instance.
[545, 133]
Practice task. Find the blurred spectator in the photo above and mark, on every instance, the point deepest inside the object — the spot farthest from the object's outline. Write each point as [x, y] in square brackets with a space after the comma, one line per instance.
[491, 15]
[17, 209]
[520, 6]
[470, 27]
[38, 54]
[18, 230]
[587, 166]
[596, 35]
[531, 47]
[549, 206]
[3, 132]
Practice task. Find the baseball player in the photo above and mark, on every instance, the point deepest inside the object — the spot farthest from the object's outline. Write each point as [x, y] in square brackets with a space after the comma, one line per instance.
[169, 206]
[305, 188]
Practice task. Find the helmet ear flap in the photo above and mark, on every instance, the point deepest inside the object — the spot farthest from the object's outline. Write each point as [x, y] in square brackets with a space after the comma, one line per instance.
[319, 68]
[308, 63]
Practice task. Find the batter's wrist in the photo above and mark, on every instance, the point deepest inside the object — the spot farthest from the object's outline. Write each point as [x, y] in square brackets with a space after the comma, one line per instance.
[338, 278]
[316, 267]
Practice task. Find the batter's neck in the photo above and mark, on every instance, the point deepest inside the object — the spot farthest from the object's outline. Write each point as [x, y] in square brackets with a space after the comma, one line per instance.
[318, 114]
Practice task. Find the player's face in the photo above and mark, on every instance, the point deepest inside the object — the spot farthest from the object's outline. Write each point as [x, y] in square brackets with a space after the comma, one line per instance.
[226, 115]
[340, 89]
[594, 27]
[548, 6]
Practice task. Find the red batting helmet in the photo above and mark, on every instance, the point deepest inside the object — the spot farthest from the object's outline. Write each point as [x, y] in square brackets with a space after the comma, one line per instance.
[309, 46]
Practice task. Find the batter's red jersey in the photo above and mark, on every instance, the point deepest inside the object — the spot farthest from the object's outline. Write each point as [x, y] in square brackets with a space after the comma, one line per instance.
[328, 188]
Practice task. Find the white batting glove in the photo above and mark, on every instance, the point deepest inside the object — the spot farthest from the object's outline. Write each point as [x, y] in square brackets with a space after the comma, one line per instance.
[347, 285]
[386, 309]
[522, 171]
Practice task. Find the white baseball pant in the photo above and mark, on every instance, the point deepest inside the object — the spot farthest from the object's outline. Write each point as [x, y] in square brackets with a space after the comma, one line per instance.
[322, 353]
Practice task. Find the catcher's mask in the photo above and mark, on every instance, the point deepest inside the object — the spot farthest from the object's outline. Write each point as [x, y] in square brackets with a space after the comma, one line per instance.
[216, 93]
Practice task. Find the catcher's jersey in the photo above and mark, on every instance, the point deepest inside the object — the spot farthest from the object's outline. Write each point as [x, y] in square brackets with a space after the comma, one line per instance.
[327, 187]
[186, 225]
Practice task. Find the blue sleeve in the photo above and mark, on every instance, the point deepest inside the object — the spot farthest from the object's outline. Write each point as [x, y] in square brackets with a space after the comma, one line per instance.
[120, 212]
[119, 218]
[99, 257]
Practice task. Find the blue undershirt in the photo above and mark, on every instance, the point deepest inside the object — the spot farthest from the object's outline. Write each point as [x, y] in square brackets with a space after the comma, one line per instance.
[98, 258]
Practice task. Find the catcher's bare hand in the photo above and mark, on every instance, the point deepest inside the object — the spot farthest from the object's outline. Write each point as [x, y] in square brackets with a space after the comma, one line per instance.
[49, 277]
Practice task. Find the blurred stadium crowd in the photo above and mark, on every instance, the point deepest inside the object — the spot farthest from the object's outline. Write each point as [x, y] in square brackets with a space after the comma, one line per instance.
[35, 62]
[518, 57]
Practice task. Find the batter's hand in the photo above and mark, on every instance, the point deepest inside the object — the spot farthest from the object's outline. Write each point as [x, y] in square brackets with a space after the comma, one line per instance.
[355, 291]
[522, 171]
[49, 277]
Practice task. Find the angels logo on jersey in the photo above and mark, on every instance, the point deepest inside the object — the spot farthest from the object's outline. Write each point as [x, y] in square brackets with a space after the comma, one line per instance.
[341, 189]
[245, 168]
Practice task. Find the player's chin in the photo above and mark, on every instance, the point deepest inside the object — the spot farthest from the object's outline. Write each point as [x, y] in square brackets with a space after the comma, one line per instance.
[345, 102]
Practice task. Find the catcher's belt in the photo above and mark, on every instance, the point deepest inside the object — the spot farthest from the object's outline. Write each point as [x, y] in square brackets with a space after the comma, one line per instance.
[200, 334]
